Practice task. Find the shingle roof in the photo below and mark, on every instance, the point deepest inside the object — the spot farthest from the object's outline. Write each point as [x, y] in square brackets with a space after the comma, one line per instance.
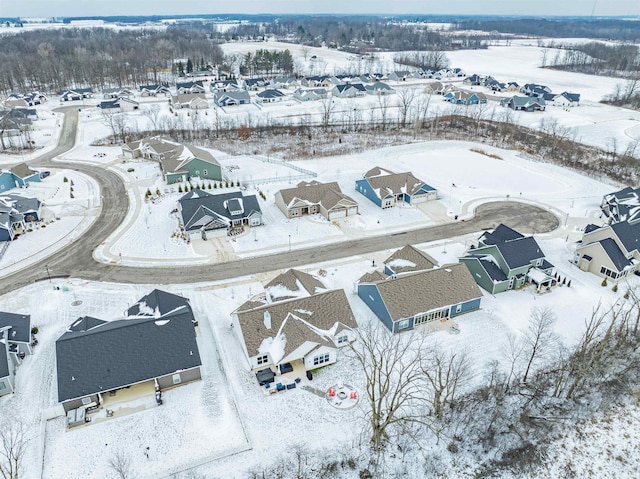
[500, 234]
[520, 252]
[629, 235]
[388, 182]
[413, 293]
[20, 326]
[314, 192]
[85, 324]
[123, 352]
[490, 267]
[4, 363]
[22, 170]
[198, 211]
[158, 303]
[294, 282]
[399, 261]
[270, 93]
[372, 277]
[323, 311]
[614, 253]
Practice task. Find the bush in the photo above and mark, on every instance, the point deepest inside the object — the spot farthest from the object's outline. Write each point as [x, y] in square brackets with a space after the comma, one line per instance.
[615, 288]
[158, 191]
[179, 188]
[130, 170]
[148, 193]
[604, 282]
[65, 179]
[34, 330]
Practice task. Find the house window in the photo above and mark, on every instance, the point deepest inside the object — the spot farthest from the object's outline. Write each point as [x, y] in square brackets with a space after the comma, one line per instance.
[511, 280]
[263, 359]
[430, 316]
[458, 308]
[403, 324]
[322, 359]
[204, 172]
[197, 172]
[176, 379]
[342, 339]
[294, 212]
[86, 401]
[607, 272]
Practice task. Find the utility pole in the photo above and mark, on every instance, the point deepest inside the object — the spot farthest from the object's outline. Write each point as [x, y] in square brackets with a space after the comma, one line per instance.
[48, 274]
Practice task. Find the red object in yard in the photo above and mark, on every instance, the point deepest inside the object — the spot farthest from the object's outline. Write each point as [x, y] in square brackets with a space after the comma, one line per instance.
[331, 392]
[354, 395]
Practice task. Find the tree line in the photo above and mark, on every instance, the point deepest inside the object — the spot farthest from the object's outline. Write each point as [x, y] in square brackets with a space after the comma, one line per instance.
[266, 62]
[52, 60]
[596, 58]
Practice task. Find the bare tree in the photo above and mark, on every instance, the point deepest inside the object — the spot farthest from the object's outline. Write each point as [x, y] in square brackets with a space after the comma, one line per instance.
[117, 123]
[383, 103]
[153, 115]
[121, 465]
[405, 98]
[395, 390]
[13, 445]
[539, 337]
[327, 111]
[445, 372]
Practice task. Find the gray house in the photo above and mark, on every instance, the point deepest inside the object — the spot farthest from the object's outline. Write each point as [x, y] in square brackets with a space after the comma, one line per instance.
[95, 357]
[205, 215]
[505, 259]
[15, 343]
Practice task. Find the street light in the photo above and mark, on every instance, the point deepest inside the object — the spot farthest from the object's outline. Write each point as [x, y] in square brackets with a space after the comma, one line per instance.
[289, 243]
[48, 274]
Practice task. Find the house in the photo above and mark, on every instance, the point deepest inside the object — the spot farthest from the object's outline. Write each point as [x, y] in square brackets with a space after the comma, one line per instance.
[191, 87]
[405, 301]
[505, 259]
[408, 259]
[524, 103]
[533, 89]
[119, 104]
[473, 80]
[96, 357]
[512, 87]
[284, 82]
[296, 323]
[205, 215]
[193, 101]
[610, 251]
[459, 97]
[15, 212]
[437, 88]
[313, 197]
[310, 94]
[30, 113]
[402, 75]
[178, 162]
[623, 205]
[379, 88]
[113, 93]
[154, 90]
[385, 188]
[76, 94]
[317, 81]
[252, 84]
[270, 96]
[16, 341]
[223, 86]
[230, 98]
[566, 99]
[349, 90]
[18, 176]
[24, 100]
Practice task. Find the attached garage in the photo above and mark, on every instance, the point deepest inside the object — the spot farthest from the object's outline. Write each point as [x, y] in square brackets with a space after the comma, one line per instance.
[341, 213]
[353, 210]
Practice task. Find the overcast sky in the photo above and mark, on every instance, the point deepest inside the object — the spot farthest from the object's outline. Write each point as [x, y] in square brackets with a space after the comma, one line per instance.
[60, 8]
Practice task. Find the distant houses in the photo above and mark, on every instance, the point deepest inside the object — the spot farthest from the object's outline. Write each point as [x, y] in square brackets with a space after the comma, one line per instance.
[296, 324]
[119, 104]
[313, 197]
[189, 88]
[270, 95]
[76, 94]
[349, 90]
[386, 188]
[206, 215]
[231, 98]
[193, 101]
[524, 103]
[505, 259]
[178, 162]
[310, 94]
[96, 357]
[154, 90]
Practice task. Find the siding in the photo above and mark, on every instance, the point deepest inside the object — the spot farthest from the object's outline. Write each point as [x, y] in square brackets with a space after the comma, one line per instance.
[187, 376]
[363, 187]
[371, 296]
[466, 307]
[479, 275]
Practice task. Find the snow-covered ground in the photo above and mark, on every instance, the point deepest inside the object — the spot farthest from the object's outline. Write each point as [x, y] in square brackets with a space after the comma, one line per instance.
[44, 133]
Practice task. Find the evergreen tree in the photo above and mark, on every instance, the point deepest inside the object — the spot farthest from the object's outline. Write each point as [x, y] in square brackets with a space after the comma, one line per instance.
[189, 65]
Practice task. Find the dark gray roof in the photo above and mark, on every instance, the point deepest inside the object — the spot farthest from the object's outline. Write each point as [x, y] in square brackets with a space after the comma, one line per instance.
[546, 264]
[500, 234]
[160, 302]
[491, 268]
[629, 235]
[189, 84]
[520, 252]
[614, 253]
[85, 324]
[270, 93]
[123, 352]
[195, 210]
[590, 227]
[20, 326]
[4, 363]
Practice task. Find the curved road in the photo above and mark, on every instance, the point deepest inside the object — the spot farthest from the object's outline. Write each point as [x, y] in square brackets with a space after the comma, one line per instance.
[76, 260]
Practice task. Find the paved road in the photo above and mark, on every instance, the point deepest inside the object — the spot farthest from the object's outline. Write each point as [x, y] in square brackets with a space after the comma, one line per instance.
[77, 261]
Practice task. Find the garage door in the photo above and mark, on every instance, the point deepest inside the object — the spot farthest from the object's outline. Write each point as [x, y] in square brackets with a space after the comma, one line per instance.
[337, 214]
[418, 199]
[352, 210]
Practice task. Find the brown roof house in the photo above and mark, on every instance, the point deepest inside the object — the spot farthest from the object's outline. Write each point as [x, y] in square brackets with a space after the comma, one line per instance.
[406, 300]
[295, 322]
[315, 197]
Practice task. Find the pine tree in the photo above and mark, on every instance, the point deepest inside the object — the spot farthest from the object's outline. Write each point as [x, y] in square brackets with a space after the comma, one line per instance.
[179, 188]
[180, 69]
[189, 65]
[615, 288]
[604, 282]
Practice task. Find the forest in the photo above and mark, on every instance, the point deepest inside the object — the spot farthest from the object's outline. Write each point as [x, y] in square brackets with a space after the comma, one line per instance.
[596, 58]
[52, 60]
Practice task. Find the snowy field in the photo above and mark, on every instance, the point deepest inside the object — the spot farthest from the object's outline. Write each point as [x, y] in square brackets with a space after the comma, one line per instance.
[44, 132]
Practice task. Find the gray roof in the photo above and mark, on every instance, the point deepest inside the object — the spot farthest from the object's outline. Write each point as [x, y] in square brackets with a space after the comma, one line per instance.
[270, 93]
[18, 203]
[614, 253]
[237, 95]
[173, 155]
[500, 234]
[490, 267]
[123, 352]
[199, 209]
[372, 277]
[4, 363]
[520, 252]
[158, 303]
[628, 234]
[323, 311]
[85, 323]
[413, 293]
[20, 326]
[22, 170]
[388, 182]
[326, 194]
[294, 281]
[420, 260]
